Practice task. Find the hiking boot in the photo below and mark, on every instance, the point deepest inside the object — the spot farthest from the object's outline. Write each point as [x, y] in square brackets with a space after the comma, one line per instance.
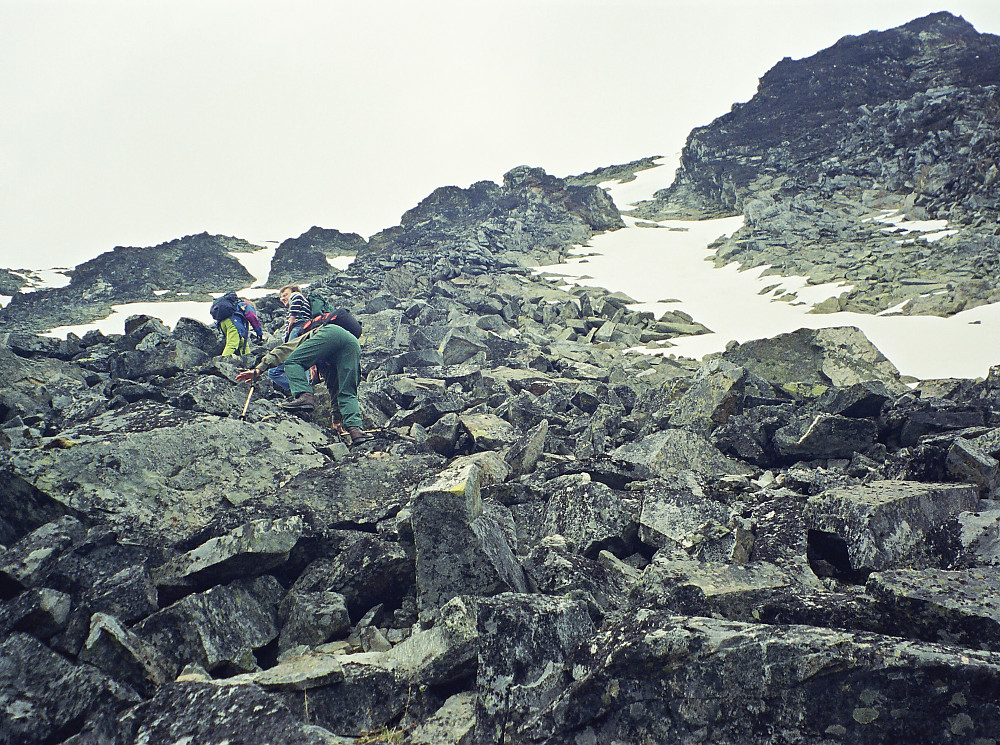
[358, 435]
[303, 402]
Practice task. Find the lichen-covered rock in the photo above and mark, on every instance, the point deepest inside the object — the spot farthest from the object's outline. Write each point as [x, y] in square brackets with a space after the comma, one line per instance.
[247, 551]
[887, 524]
[662, 453]
[675, 509]
[653, 677]
[367, 571]
[217, 628]
[123, 655]
[311, 618]
[590, 514]
[526, 646]
[603, 583]
[970, 463]
[444, 653]
[833, 356]
[452, 724]
[715, 394]
[45, 698]
[28, 562]
[488, 431]
[952, 607]
[824, 436]
[460, 550]
[40, 611]
[154, 470]
[216, 713]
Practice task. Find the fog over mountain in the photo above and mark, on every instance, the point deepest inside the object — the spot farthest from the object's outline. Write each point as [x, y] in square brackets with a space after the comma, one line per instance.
[132, 124]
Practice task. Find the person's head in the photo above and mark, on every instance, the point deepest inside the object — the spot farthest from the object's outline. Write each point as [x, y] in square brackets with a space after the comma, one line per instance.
[286, 292]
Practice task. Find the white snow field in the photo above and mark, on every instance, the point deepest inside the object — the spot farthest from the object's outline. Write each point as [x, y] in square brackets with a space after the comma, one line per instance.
[653, 265]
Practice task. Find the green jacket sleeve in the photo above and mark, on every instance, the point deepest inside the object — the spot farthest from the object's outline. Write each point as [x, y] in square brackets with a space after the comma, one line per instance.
[280, 353]
[232, 337]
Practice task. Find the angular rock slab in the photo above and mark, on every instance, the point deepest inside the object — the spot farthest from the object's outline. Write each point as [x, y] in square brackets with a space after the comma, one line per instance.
[675, 509]
[840, 356]
[366, 572]
[295, 674]
[219, 627]
[149, 469]
[123, 655]
[824, 436]
[654, 677]
[526, 643]
[951, 607]
[44, 698]
[590, 514]
[248, 550]
[443, 653]
[452, 724]
[886, 524]
[662, 453]
[196, 712]
[460, 550]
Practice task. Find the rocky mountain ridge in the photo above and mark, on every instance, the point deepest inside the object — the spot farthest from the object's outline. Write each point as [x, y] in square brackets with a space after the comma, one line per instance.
[902, 120]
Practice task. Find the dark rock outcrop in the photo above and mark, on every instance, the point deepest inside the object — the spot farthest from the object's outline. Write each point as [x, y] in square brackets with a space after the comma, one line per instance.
[901, 120]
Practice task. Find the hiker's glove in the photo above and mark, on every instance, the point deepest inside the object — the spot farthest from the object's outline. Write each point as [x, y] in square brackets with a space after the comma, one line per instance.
[260, 338]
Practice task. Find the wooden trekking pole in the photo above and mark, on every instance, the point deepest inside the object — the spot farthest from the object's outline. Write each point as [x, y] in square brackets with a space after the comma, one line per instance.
[253, 382]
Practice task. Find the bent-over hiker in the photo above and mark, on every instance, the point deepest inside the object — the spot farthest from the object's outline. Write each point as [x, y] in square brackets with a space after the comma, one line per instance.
[235, 318]
[328, 345]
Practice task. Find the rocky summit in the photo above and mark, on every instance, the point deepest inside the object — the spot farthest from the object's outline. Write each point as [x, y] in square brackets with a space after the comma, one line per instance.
[549, 539]
[904, 121]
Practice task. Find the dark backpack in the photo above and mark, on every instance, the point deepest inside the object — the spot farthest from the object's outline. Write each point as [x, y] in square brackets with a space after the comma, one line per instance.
[343, 318]
[224, 307]
[228, 306]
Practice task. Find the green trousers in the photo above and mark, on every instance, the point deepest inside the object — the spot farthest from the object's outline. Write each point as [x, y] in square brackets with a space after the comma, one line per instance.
[337, 347]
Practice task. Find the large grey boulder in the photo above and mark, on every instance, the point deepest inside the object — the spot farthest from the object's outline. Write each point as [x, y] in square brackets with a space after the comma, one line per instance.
[158, 354]
[659, 678]
[123, 655]
[368, 698]
[887, 524]
[715, 394]
[65, 390]
[358, 492]
[300, 672]
[526, 646]
[460, 548]
[604, 583]
[28, 562]
[967, 461]
[841, 357]
[663, 453]
[45, 698]
[246, 551]
[219, 628]
[824, 436]
[590, 514]
[156, 471]
[207, 712]
[446, 652]
[311, 618]
[452, 724]
[675, 510]
[40, 611]
[366, 572]
[952, 607]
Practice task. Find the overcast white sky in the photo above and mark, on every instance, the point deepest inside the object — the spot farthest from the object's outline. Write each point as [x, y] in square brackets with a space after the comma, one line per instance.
[127, 122]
